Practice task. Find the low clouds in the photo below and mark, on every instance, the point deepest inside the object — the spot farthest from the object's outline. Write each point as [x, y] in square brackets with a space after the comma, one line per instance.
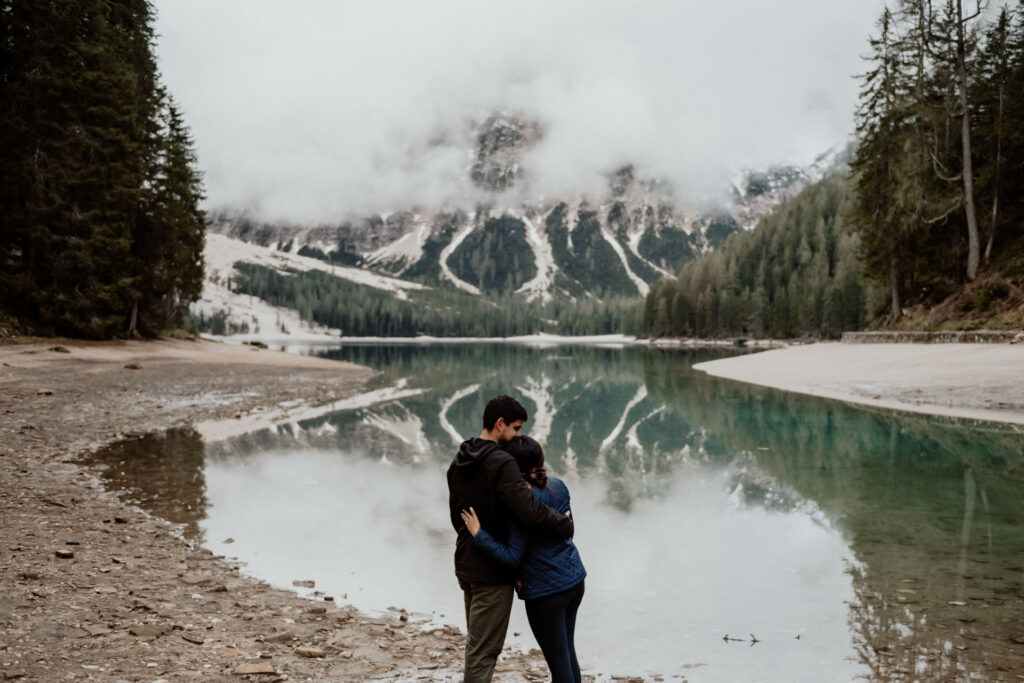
[312, 110]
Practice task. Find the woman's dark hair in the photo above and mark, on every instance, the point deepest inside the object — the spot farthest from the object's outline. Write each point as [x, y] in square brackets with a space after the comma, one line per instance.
[529, 456]
[503, 406]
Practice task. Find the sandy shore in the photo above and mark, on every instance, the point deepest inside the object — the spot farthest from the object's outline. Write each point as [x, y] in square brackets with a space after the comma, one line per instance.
[972, 381]
[94, 589]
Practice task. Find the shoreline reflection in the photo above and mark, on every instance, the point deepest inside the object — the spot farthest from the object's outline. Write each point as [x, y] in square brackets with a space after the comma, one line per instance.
[893, 545]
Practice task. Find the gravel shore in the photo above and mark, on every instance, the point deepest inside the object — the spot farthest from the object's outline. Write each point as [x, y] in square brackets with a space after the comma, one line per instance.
[94, 589]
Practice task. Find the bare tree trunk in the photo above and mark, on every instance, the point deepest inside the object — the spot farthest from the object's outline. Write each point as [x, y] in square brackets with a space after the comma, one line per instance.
[992, 228]
[973, 243]
[970, 495]
[134, 317]
[995, 183]
[897, 309]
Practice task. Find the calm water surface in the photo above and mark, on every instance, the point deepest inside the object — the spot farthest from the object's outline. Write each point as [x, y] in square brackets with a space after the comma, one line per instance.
[852, 544]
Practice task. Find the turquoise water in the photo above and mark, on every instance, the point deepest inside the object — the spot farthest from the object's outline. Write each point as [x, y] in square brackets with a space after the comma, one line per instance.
[851, 544]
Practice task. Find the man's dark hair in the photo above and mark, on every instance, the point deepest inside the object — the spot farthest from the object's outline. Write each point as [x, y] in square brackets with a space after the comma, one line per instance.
[503, 406]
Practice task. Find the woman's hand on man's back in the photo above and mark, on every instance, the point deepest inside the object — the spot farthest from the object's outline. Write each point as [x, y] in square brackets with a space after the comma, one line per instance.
[471, 520]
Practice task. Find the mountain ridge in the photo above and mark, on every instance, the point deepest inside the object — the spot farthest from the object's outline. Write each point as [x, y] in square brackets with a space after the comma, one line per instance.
[556, 251]
[622, 245]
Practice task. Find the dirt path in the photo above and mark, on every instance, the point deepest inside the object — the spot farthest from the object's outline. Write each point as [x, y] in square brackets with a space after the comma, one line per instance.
[97, 590]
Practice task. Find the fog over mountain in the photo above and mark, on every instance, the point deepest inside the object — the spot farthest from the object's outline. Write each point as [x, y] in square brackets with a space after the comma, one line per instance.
[314, 110]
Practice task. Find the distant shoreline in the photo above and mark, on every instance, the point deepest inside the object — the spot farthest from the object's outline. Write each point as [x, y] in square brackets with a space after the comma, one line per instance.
[968, 381]
[323, 340]
[615, 340]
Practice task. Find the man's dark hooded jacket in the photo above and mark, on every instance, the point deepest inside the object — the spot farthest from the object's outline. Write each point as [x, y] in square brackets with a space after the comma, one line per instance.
[486, 478]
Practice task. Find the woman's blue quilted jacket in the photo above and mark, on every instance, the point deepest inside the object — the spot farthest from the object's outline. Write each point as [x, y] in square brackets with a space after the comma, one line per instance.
[545, 565]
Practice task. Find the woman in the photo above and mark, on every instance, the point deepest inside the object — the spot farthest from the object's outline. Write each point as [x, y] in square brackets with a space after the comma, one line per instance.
[550, 571]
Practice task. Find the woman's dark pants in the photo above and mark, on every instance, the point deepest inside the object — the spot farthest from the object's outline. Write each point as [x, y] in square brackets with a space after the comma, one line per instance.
[553, 620]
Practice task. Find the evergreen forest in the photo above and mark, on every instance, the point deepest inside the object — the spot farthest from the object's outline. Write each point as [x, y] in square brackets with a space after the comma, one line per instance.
[102, 232]
[930, 211]
[797, 273]
[358, 310]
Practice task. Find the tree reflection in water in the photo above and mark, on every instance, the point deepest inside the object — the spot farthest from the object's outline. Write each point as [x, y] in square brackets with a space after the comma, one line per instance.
[931, 509]
[163, 473]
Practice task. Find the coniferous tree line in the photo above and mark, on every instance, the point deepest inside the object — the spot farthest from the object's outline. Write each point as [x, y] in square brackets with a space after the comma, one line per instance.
[934, 197]
[939, 169]
[359, 311]
[102, 231]
[797, 273]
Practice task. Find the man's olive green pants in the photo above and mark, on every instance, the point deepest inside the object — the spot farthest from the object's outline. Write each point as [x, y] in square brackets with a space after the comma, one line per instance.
[488, 607]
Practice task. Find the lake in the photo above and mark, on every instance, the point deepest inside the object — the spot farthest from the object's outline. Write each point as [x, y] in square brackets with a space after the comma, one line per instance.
[847, 543]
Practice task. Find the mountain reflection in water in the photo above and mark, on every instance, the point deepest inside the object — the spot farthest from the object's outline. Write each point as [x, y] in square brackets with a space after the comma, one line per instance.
[892, 545]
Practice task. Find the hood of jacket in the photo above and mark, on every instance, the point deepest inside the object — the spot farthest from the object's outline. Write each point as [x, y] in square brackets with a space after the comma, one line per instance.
[473, 451]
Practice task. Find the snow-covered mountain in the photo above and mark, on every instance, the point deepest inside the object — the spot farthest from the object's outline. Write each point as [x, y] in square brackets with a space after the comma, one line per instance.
[567, 248]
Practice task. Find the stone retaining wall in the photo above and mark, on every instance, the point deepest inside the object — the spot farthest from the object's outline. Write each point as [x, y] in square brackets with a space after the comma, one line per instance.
[947, 337]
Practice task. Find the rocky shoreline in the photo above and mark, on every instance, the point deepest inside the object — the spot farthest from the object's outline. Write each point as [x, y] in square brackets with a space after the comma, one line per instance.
[96, 589]
[946, 337]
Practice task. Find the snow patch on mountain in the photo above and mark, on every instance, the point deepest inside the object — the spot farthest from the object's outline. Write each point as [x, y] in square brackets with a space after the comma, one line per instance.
[406, 250]
[446, 272]
[262, 320]
[541, 285]
[614, 243]
[634, 248]
[258, 319]
[221, 254]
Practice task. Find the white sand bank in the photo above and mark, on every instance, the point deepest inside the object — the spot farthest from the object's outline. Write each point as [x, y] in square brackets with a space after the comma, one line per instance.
[160, 351]
[973, 381]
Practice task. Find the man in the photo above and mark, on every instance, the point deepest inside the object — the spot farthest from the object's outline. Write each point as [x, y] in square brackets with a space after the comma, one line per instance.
[486, 478]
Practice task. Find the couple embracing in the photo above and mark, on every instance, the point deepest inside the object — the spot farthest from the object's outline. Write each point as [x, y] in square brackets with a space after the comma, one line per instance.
[514, 528]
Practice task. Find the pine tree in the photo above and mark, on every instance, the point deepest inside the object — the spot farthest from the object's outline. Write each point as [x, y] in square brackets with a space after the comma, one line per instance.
[948, 38]
[881, 126]
[170, 233]
[990, 96]
[72, 168]
[1012, 181]
[81, 126]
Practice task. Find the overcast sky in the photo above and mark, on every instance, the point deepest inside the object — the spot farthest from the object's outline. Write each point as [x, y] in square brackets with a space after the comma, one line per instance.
[311, 109]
